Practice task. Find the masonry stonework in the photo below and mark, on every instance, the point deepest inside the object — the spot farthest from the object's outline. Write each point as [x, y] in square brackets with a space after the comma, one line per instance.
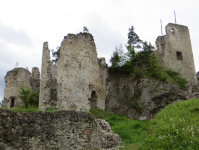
[80, 74]
[176, 51]
[13, 80]
[61, 130]
[48, 86]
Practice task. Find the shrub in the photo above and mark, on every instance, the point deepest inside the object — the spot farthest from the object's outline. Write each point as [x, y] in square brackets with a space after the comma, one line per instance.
[28, 97]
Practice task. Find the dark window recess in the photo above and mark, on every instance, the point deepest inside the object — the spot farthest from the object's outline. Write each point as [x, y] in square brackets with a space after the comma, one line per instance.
[93, 99]
[79, 65]
[12, 102]
[179, 55]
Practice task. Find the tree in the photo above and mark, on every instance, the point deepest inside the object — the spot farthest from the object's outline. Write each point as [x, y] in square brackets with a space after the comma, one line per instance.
[27, 68]
[28, 97]
[16, 65]
[85, 29]
[56, 54]
[115, 59]
[123, 56]
[133, 39]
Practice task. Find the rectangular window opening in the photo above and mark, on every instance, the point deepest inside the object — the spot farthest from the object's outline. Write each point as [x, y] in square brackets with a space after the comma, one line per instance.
[179, 55]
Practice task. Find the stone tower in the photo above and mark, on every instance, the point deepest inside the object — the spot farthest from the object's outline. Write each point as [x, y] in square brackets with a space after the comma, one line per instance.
[13, 80]
[81, 76]
[176, 51]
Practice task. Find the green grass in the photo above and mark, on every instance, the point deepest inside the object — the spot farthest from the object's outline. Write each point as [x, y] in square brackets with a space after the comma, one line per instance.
[28, 110]
[176, 127]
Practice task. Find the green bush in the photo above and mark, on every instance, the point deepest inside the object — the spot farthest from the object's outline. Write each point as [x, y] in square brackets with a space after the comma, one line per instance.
[29, 98]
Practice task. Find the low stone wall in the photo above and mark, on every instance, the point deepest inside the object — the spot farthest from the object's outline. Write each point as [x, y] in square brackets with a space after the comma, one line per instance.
[61, 130]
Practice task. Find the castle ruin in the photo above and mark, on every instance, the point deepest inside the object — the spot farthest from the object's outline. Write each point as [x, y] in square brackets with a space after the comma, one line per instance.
[176, 51]
[13, 80]
[80, 80]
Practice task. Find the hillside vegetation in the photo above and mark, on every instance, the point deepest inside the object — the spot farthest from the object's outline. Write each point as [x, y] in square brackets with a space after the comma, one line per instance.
[142, 61]
[176, 127]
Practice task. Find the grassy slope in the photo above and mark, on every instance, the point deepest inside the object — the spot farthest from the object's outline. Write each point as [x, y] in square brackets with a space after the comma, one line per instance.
[176, 127]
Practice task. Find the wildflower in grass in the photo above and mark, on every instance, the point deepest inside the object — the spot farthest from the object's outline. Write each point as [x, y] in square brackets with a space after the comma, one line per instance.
[180, 119]
[168, 134]
[182, 128]
[191, 141]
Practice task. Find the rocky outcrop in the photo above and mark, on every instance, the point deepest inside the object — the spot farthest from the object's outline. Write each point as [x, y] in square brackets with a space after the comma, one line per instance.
[61, 130]
[140, 98]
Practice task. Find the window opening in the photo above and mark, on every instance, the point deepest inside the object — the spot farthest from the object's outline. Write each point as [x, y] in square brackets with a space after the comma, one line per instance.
[179, 55]
[172, 31]
[79, 65]
[12, 102]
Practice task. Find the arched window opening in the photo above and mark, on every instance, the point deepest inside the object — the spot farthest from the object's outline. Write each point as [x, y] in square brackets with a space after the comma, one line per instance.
[93, 99]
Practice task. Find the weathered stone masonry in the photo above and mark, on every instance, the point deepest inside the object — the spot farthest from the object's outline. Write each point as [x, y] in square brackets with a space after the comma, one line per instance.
[48, 86]
[13, 80]
[62, 130]
[176, 51]
[80, 75]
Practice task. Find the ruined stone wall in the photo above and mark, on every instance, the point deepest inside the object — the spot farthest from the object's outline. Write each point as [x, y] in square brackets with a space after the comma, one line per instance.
[48, 85]
[62, 130]
[176, 51]
[140, 98]
[197, 76]
[13, 80]
[35, 79]
[79, 76]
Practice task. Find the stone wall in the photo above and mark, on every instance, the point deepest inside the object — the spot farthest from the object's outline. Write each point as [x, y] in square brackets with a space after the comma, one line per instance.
[176, 51]
[48, 85]
[140, 98]
[13, 80]
[80, 75]
[197, 76]
[35, 79]
[62, 130]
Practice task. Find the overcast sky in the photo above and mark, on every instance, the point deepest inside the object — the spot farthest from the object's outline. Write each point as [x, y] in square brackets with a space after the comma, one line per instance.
[26, 24]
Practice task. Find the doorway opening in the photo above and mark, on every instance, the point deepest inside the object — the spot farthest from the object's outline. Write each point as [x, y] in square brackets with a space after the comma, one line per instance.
[93, 99]
[12, 102]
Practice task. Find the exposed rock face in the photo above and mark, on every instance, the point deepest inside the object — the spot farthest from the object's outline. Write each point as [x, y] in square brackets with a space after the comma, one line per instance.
[140, 98]
[62, 130]
[176, 51]
[13, 80]
[103, 136]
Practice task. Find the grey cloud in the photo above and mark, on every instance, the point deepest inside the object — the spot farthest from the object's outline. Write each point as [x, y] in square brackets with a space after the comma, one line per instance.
[10, 35]
[105, 38]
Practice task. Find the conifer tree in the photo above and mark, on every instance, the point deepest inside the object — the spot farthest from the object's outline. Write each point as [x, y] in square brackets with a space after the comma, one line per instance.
[85, 29]
[133, 39]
